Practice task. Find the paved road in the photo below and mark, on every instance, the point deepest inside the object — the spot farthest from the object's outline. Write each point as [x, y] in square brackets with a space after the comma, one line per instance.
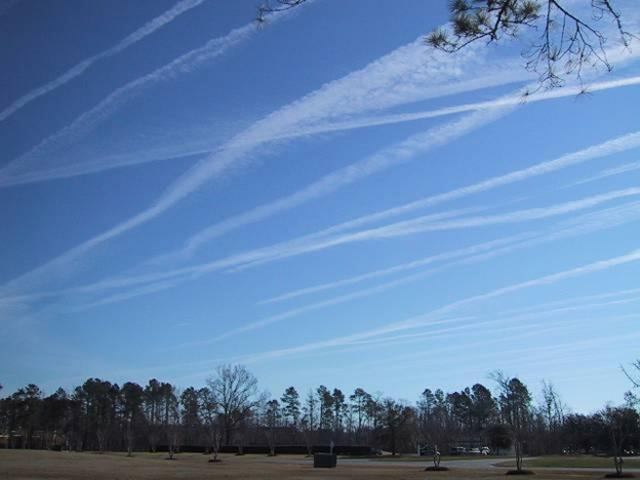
[480, 463]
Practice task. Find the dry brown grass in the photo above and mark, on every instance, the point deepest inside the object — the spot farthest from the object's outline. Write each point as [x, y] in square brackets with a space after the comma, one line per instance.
[42, 465]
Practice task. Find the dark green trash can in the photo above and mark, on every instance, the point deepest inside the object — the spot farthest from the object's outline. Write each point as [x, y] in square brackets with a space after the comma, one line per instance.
[325, 460]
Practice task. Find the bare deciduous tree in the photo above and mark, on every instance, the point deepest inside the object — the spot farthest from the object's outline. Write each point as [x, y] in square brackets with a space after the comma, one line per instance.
[564, 44]
[622, 423]
[565, 41]
[395, 415]
[515, 404]
[634, 374]
[235, 391]
[274, 6]
[553, 406]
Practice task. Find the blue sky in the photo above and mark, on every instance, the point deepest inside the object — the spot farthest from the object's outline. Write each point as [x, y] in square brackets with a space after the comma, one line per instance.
[323, 199]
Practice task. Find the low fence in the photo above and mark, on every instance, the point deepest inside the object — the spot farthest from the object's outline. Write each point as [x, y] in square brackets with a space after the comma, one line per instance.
[353, 450]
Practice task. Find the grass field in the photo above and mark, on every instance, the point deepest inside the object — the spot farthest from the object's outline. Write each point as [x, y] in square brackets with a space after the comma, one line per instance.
[43, 465]
[569, 461]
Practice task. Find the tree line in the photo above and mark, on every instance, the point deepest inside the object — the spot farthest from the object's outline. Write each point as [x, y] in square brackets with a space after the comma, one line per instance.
[231, 411]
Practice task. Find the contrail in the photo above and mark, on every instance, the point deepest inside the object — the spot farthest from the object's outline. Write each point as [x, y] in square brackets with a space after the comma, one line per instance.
[126, 160]
[343, 96]
[20, 170]
[598, 220]
[402, 152]
[610, 172]
[568, 302]
[412, 146]
[485, 341]
[80, 68]
[422, 320]
[587, 223]
[163, 280]
[395, 269]
[610, 147]
[151, 282]
[535, 312]
[381, 84]
[419, 225]
[516, 216]
[555, 354]
[13, 176]
[516, 100]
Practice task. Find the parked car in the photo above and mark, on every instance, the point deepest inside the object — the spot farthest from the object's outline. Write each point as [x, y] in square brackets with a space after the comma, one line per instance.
[427, 451]
[485, 451]
[457, 450]
[473, 451]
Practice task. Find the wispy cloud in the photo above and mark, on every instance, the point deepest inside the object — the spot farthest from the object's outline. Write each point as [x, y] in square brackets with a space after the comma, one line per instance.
[556, 353]
[206, 143]
[461, 252]
[158, 145]
[415, 145]
[138, 285]
[328, 238]
[152, 282]
[475, 253]
[506, 101]
[128, 295]
[617, 145]
[28, 167]
[398, 78]
[609, 172]
[587, 223]
[488, 338]
[599, 266]
[573, 301]
[504, 323]
[401, 152]
[77, 70]
[25, 169]
[584, 224]
[410, 73]
[438, 314]
[416, 225]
